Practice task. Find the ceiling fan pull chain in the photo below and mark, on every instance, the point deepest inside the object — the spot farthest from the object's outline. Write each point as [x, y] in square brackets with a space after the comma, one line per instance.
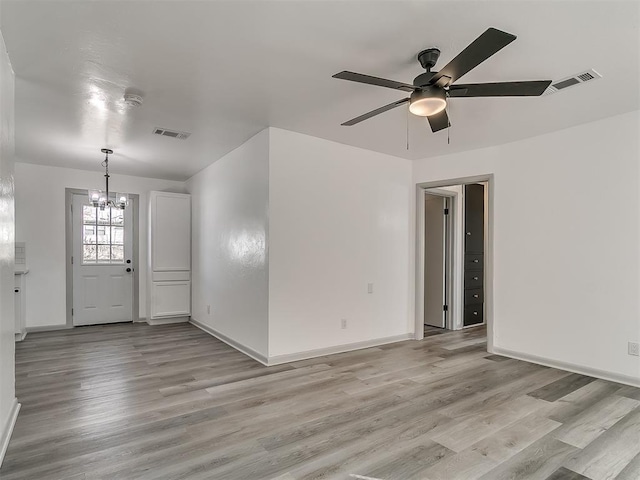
[407, 128]
[448, 121]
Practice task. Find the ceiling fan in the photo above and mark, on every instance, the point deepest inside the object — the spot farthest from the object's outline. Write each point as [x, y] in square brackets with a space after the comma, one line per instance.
[430, 90]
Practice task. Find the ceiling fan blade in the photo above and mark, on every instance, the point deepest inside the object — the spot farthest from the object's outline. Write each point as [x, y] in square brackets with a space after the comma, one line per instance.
[500, 89]
[375, 112]
[369, 80]
[490, 42]
[439, 121]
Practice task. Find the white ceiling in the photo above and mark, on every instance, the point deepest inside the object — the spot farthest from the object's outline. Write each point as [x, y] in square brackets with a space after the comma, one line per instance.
[225, 70]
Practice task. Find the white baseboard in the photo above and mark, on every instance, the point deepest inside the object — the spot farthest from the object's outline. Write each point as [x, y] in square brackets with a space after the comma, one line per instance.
[48, 328]
[348, 347]
[294, 357]
[5, 434]
[570, 367]
[167, 321]
[231, 342]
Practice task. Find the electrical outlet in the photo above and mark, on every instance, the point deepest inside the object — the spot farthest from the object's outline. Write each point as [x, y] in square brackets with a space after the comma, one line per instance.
[343, 323]
[370, 288]
[208, 309]
[634, 349]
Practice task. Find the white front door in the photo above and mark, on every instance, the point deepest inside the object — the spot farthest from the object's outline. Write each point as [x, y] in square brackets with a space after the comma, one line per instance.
[102, 267]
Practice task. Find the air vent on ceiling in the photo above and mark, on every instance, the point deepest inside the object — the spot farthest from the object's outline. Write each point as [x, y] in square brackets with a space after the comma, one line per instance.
[571, 81]
[171, 133]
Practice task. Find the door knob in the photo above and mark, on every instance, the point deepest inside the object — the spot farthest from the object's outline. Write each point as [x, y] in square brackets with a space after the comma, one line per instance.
[128, 261]
[129, 270]
[468, 233]
[476, 261]
[475, 278]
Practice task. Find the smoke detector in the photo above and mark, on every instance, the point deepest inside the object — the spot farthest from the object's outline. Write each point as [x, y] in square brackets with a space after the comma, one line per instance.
[132, 100]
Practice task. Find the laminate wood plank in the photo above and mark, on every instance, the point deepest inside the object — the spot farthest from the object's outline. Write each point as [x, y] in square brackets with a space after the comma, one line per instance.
[460, 435]
[562, 387]
[585, 427]
[567, 407]
[504, 392]
[514, 438]
[410, 464]
[566, 474]
[366, 452]
[471, 342]
[631, 471]
[538, 461]
[498, 358]
[467, 465]
[611, 452]
[629, 392]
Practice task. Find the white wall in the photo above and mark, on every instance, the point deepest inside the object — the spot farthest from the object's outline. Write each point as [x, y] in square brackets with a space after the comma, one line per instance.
[229, 236]
[566, 241]
[40, 222]
[8, 403]
[339, 218]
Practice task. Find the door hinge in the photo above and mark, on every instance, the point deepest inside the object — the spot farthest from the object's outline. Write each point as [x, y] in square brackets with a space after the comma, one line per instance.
[445, 308]
[72, 312]
[71, 260]
[446, 211]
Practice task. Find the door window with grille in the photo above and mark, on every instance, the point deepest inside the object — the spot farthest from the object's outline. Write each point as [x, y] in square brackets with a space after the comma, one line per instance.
[102, 235]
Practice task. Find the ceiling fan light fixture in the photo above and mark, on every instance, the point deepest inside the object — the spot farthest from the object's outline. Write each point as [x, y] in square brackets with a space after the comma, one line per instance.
[428, 101]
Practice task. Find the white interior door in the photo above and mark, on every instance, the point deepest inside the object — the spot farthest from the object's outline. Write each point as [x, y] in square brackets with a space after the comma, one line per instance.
[102, 266]
[435, 261]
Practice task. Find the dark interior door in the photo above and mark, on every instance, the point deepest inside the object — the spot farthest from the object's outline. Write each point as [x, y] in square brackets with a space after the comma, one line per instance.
[473, 254]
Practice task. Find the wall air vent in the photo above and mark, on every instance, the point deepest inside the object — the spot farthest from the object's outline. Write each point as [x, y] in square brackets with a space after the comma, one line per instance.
[171, 133]
[571, 81]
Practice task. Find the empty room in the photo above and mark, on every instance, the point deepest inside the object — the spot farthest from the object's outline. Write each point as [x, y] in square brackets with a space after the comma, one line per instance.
[319, 239]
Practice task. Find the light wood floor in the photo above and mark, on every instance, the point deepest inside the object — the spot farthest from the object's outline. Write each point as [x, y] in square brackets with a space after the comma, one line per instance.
[171, 402]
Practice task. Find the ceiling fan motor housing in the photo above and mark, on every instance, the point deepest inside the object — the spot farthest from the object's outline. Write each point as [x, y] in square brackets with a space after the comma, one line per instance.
[423, 79]
[428, 58]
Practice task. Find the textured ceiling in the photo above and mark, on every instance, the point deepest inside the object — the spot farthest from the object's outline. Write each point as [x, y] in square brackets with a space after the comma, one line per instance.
[225, 70]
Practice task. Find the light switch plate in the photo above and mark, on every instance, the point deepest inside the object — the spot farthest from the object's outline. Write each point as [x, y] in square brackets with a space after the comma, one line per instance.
[634, 348]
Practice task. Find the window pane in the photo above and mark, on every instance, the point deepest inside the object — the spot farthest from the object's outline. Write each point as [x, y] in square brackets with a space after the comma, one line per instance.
[103, 216]
[89, 234]
[89, 254]
[104, 254]
[117, 254]
[88, 214]
[117, 235]
[104, 235]
[117, 217]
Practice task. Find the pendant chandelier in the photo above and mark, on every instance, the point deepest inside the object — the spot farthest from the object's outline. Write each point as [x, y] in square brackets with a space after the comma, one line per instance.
[103, 198]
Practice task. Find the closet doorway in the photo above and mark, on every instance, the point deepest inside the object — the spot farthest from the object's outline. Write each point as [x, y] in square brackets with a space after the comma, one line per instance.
[454, 255]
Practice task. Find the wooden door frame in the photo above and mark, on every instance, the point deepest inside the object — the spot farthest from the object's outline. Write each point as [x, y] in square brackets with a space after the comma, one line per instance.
[489, 180]
[134, 204]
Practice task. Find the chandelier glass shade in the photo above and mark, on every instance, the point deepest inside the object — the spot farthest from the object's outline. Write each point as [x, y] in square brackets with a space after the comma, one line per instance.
[103, 198]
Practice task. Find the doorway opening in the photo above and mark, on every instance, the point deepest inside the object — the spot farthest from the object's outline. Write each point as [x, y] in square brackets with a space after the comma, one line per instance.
[102, 261]
[454, 253]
